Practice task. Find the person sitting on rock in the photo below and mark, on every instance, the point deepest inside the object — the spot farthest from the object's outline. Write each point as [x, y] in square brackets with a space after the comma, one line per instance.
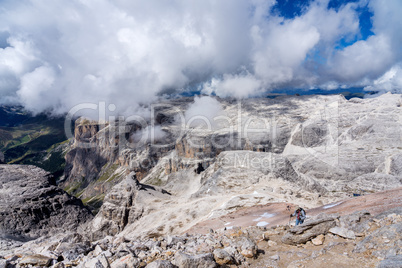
[300, 215]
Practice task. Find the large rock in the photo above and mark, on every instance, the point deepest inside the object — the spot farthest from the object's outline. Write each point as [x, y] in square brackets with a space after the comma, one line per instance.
[160, 264]
[248, 248]
[72, 251]
[391, 262]
[31, 205]
[183, 260]
[99, 262]
[343, 232]
[36, 260]
[319, 240]
[128, 261]
[355, 221]
[222, 257]
[305, 232]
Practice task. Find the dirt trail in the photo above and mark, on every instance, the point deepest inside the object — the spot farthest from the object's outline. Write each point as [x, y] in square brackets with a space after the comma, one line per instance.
[277, 214]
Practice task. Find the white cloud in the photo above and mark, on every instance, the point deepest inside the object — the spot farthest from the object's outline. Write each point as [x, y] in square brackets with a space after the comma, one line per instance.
[238, 86]
[204, 112]
[62, 53]
[391, 81]
[366, 60]
[151, 134]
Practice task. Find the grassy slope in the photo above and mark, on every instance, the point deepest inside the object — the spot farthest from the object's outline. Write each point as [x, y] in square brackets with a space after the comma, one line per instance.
[26, 139]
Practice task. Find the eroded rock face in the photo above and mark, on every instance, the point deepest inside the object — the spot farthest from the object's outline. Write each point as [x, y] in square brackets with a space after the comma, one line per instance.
[123, 205]
[31, 205]
[115, 212]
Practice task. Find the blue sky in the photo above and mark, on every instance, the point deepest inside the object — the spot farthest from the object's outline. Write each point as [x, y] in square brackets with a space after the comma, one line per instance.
[56, 54]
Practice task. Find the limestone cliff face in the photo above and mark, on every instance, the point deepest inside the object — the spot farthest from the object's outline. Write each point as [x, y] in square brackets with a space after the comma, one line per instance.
[31, 205]
[102, 155]
[86, 158]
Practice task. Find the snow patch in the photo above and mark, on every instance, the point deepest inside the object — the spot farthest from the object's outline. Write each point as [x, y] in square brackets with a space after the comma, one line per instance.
[332, 205]
[227, 223]
[264, 216]
[262, 223]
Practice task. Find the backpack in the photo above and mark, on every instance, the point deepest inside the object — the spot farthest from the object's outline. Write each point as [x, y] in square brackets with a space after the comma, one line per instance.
[301, 210]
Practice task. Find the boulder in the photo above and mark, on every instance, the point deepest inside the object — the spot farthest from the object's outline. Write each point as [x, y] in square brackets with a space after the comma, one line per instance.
[72, 251]
[36, 260]
[319, 240]
[128, 261]
[183, 260]
[343, 232]
[355, 221]
[172, 240]
[222, 257]
[160, 264]
[99, 262]
[305, 232]
[248, 248]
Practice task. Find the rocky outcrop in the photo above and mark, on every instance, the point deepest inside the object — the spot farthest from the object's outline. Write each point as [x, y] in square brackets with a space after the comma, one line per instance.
[32, 205]
[123, 205]
[385, 241]
[232, 167]
[118, 209]
[305, 232]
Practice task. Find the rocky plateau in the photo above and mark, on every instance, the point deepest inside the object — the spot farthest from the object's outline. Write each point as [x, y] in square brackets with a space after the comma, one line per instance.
[169, 193]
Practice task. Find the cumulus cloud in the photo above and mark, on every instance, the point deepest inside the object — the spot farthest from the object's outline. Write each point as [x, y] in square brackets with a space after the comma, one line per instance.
[391, 81]
[366, 60]
[57, 54]
[239, 86]
[204, 112]
[149, 134]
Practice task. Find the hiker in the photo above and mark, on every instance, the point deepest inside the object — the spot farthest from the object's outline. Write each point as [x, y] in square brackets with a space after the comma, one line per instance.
[300, 215]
